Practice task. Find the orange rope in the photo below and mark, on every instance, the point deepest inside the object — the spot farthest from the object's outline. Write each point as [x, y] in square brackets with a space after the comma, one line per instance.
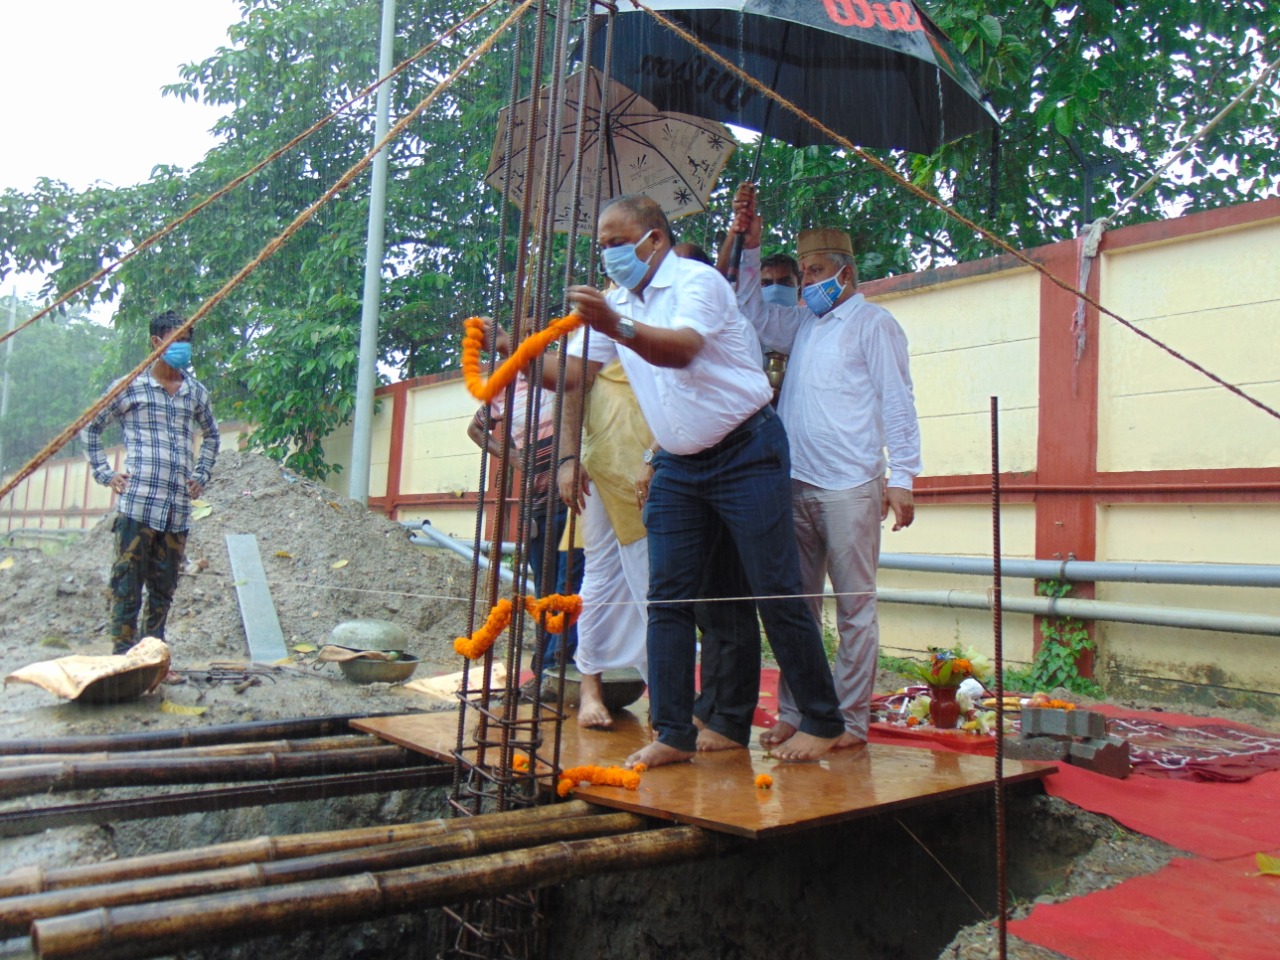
[521, 357]
[933, 201]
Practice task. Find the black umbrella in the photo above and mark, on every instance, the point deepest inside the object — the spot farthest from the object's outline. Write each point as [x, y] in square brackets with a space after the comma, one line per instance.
[880, 74]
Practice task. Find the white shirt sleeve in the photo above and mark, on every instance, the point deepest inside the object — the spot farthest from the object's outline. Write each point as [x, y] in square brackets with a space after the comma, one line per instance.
[885, 347]
[774, 325]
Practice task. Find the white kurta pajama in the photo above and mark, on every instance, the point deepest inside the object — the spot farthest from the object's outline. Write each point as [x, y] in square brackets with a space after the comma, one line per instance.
[846, 399]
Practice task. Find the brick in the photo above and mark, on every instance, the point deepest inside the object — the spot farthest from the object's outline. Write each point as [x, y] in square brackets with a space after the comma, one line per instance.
[1109, 757]
[1044, 749]
[1087, 724]
[1045, 722]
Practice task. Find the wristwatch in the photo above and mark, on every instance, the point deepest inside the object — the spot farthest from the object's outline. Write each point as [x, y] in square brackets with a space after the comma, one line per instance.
[649, 454]
[626, 329]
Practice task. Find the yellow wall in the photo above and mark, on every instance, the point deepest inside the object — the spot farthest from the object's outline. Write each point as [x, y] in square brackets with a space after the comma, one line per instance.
[970, 340]
[1214, 298]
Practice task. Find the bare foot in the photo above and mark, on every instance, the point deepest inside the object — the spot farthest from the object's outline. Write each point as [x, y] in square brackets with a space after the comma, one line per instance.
[710, 741]
[847, 741]
[657, 754]
[804, 748]
[777, 735]
[591, 709]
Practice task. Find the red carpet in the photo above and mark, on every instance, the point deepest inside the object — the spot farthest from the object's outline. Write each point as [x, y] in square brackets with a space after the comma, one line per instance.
[1215, 820]
[1190, 910]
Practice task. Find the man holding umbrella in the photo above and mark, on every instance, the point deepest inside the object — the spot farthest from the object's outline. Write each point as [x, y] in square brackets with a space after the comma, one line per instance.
[846, 399]
[724, 459]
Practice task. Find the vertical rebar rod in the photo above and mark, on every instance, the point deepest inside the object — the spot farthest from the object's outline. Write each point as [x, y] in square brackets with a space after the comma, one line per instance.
[997, 632]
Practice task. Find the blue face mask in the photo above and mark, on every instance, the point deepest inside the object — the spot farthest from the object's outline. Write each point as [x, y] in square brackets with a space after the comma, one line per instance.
[820, 297]
[622, 265]
[779, 294]
[178, 355]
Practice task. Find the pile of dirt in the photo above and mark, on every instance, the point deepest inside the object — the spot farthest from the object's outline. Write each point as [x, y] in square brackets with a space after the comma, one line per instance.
[327, 559]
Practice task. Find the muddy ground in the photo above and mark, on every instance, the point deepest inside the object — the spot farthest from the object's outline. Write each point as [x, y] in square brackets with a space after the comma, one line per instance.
[330, 560]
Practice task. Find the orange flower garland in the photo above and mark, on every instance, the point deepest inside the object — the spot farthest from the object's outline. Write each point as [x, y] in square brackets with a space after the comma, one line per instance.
[475, 646]
[764, 782]
[601, 776]
[520, 763]
[558, 607]
[521, 357]
[567, 607]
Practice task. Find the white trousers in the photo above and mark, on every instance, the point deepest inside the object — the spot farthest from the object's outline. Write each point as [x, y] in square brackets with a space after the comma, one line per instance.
[615, 585]
[838, 535]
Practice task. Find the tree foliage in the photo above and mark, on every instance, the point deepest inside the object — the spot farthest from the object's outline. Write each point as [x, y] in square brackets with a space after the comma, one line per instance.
[1104, 83]
[53, 372]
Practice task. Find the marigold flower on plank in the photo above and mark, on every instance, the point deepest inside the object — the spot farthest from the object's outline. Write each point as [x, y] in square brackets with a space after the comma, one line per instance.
[764, 782]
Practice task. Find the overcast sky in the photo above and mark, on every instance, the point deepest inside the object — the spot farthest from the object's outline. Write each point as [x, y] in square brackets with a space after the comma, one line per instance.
[81, 82]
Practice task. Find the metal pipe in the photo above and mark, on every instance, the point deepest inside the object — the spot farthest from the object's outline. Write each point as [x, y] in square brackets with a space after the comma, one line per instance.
[1104, 571]
[435, 538]
[1187, 618]
[366, 369]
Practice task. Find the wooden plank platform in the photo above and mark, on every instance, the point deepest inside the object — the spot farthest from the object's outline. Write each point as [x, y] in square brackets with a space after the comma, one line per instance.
[717, 790]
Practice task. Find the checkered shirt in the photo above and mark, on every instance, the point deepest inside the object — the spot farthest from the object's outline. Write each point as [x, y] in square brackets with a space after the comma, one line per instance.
[159, 443]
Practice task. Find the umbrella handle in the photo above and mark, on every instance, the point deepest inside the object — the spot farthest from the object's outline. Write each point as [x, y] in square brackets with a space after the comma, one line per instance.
[735, 257]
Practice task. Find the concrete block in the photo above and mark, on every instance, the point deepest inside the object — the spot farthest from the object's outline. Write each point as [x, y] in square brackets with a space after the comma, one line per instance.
[1045, 722]
[1087, 724]
[1044, 749]
[1109, 757]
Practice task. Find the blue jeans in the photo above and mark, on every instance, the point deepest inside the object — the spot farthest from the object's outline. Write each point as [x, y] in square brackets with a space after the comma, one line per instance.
[743, 484]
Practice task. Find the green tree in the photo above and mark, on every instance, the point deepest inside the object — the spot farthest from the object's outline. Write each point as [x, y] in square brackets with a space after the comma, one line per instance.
[1116, 83]
[53, 372]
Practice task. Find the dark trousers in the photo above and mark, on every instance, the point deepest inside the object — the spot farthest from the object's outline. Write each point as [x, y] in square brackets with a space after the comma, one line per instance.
[742, 484]
[144, 557]
[558, 645]
[730, 628]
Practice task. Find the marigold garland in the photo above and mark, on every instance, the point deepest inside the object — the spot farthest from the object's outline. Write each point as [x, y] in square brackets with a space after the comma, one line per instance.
[557, 607]
[475, 646]
[520, 763]
[601, 776]
[764, 782]
[532, 345]
[566, 609]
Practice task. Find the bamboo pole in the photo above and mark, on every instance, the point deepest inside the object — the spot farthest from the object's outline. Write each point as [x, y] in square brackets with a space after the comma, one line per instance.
[315, 744]
[124, 933]
[16, 823]
[58, 777]
[264, 849]
[17, 913]
[189, 736]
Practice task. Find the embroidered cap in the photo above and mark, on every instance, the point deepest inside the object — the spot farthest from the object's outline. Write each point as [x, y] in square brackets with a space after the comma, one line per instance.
[823, 240]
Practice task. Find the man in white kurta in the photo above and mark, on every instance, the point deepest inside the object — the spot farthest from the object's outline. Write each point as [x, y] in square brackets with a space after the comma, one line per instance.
[849, 409]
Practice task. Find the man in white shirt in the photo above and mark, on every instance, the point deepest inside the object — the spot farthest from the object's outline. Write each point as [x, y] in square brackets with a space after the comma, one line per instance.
[724, 461]
[847, 398]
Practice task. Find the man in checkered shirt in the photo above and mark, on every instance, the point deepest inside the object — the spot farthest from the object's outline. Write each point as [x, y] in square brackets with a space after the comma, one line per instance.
[159, 413]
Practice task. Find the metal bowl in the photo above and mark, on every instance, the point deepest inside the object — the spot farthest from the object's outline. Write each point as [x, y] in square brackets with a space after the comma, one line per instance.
[364, 670]
[621, 687]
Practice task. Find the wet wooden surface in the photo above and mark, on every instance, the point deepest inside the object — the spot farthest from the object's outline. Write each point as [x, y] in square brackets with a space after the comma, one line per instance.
[717, 790]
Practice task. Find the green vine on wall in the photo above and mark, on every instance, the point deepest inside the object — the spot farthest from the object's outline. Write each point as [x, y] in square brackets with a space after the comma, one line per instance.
[1066, 639]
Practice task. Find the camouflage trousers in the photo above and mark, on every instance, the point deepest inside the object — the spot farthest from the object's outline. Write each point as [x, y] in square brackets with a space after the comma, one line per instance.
[144, 557]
